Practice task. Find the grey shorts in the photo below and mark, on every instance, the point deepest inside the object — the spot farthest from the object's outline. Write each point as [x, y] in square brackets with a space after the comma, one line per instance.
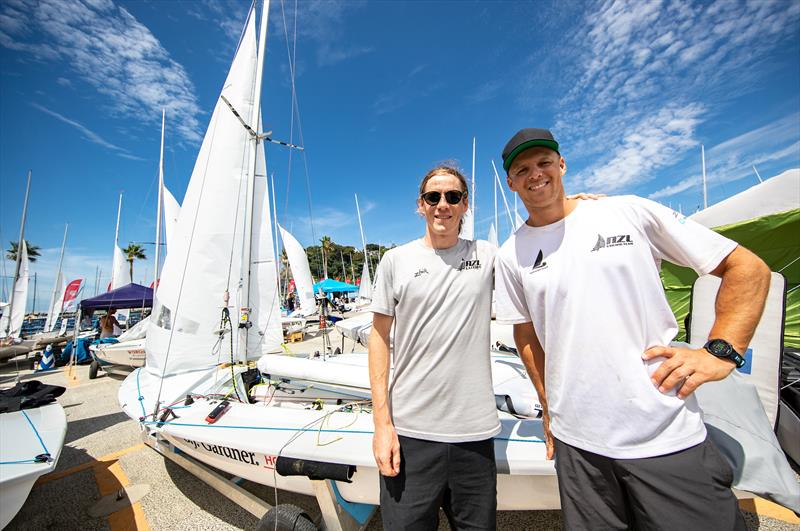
[690, 489]
[461, 478]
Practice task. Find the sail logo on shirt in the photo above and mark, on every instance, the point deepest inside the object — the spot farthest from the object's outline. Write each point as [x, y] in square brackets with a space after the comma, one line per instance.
[612, 241]
[468, 264]
[539, 263]
[421, 272]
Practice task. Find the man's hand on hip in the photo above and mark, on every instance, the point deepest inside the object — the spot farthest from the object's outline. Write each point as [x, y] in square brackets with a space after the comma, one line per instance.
[386, 448]
[686, 369]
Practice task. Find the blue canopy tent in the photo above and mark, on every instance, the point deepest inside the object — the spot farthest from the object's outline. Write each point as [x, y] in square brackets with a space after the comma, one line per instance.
[330, 285]
[130, 296]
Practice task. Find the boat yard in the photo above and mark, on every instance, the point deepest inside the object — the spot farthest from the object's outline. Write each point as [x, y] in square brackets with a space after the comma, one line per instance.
[104, 452]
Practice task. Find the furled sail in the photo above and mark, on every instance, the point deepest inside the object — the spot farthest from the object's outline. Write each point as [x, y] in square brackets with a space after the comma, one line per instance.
[17, 314]
[365, 286]
[301, 272]
[171, 210]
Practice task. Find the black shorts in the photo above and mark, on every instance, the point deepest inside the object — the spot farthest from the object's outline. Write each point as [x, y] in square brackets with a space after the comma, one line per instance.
[461, 478]
[690, 489]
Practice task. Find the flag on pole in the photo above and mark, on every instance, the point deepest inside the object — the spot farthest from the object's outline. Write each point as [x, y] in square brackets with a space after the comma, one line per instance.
[70, 303]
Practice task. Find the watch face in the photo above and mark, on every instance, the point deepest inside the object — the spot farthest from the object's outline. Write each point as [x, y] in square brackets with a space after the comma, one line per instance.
[718, 347]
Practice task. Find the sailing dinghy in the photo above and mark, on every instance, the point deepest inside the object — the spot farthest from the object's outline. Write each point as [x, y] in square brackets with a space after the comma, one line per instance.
[216, 314]
[31, 439]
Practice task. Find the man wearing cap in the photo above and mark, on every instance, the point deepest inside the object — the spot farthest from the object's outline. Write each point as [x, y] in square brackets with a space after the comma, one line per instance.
[580, 282]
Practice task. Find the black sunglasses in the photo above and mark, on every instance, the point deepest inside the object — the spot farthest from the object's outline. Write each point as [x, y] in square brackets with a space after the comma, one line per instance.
[453, 197]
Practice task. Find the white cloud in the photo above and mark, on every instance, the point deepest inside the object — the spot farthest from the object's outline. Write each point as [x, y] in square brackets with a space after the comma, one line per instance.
[87, 133]
[636, 72]
[658, 141]
[110, 50]
[485, 92]
[320, 22]
[734, 159]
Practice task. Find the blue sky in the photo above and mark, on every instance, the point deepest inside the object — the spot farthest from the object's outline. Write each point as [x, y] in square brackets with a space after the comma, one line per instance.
[385, 91]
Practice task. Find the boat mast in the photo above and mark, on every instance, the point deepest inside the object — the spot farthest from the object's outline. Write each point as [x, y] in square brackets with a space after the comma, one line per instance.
[159, 209]
[496, 220]
[473, 185]
[245, 310]
[758, 175]
[363, 240]
[116, 240]
[705, 184]
[19, 255]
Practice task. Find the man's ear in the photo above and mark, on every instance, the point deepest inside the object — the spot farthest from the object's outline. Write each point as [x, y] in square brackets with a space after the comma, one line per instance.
[563, 165]
[420, 210]
[510, 184]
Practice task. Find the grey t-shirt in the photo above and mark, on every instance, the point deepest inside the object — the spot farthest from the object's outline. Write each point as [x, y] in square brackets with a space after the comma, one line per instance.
[441, 387]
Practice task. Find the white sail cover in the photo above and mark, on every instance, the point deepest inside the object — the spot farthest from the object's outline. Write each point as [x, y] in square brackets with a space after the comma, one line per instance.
[120, 270]
[301, 272]
[171, 210]
[204, 262]
[365, 286]
[16, 314]
[493, 236]
[467, 226]
[56, 300]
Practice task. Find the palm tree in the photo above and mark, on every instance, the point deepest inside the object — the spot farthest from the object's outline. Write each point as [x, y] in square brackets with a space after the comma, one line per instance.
[134, 251]
[33, 251]
[327, 245]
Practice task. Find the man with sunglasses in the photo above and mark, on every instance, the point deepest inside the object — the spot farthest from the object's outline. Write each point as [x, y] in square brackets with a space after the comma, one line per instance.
[580, 283]
[436, 419]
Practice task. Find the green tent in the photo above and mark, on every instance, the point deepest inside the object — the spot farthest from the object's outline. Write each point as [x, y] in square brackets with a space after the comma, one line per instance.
[774, 236]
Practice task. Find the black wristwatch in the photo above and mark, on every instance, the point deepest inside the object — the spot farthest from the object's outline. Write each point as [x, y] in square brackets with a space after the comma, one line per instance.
[722, 349]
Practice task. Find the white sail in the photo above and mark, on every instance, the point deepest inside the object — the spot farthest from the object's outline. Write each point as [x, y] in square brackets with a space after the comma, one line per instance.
[120, 270]
[171, 210]
[518, 221]
[493, 236]
[467, 226]
[365, 286]
[54, 308]
[16, 314]
[266, 335]
[301, 272]
[201, 274]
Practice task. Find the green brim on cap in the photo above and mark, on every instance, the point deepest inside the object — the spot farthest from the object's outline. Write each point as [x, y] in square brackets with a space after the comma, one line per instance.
[529, 144]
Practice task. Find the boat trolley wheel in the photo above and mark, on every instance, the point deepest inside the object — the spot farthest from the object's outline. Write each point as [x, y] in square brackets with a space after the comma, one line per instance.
[93, 370]
[287, 517]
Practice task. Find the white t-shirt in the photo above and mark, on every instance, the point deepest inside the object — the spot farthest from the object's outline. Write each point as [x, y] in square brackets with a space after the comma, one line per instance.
[441, 388]
[590, 284]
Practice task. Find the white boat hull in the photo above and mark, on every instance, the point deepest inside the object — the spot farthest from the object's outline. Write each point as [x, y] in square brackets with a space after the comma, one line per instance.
[18, 442]
[126, 353]
[247, 440]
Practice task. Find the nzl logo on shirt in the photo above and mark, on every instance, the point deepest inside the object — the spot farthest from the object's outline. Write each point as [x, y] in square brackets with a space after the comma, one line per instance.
[539, 263]
[469, 264]
[612, 241]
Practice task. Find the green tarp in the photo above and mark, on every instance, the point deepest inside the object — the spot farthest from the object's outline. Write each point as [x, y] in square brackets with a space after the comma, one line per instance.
[776, 239]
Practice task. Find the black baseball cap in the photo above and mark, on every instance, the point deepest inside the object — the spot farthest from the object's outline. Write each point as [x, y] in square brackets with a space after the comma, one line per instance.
[527, 138]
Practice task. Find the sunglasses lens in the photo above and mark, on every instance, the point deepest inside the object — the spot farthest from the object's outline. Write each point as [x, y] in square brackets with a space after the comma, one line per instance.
[432, 198]
[453, 197]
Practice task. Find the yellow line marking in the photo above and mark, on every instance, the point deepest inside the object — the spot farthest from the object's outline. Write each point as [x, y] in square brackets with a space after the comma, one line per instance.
[110, 478]
[763, 507]
[99, 462]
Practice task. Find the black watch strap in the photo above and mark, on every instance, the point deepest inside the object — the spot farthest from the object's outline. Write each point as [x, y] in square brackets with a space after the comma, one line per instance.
[722, 349]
